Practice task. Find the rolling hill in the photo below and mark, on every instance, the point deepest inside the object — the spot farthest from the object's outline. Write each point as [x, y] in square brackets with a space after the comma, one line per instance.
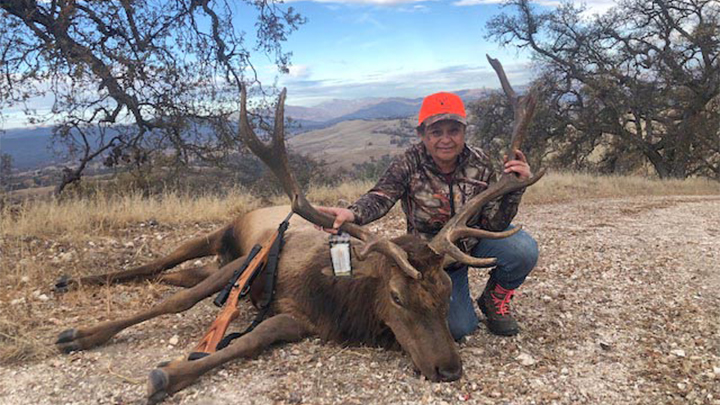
[346, 131]
[349, 142]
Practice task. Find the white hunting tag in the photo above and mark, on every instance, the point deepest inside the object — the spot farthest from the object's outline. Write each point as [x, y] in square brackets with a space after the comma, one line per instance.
[340, 254]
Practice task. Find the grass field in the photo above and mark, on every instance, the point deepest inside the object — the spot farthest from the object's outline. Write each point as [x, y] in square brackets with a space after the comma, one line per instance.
[103, 212]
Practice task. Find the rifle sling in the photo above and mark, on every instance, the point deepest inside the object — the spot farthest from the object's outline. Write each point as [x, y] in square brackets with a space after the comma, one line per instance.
[267, 296]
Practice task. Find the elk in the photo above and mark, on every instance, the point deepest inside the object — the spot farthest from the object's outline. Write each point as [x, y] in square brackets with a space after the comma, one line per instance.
[398, 297]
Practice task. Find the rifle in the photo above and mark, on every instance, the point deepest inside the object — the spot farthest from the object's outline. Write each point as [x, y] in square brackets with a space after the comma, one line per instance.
[261, 256]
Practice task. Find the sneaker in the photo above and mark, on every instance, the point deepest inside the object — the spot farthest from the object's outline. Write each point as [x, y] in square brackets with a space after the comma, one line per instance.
[495, 304]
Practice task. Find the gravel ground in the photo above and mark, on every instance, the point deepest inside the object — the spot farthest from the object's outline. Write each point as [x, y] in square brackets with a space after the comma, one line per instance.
[622, 308]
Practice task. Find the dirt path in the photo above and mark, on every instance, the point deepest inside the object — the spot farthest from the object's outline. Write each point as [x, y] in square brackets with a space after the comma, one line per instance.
[623, 308]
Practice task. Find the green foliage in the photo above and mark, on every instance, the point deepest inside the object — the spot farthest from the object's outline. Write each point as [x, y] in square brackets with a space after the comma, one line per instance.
[401, 136]
[6, 163]
[372, 169]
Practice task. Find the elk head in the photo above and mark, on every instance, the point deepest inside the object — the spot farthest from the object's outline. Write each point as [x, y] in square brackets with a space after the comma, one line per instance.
[417, 309]
[414, 288]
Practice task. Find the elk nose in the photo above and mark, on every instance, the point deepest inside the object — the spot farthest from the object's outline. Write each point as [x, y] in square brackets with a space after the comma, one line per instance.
[449, 373]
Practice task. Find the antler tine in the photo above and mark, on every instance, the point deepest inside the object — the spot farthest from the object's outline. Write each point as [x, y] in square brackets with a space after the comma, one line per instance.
[507, 88]
[523, 107]
[275, 157]
[456, 227]
[273, 152]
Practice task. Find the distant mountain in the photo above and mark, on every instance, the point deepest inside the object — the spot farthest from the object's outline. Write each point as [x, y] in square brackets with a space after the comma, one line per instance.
[307, 113]
[395, 108]
[329, 110]
[18, 133]
[476, 94]
[388, 109]
[334, 111]
[31, 148]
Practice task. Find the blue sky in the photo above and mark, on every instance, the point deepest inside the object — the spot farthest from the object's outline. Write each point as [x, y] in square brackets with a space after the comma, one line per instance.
[350, 50]
[383, 48]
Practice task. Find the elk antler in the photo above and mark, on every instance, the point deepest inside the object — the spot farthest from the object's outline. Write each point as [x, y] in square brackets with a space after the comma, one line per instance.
[456, 227]
[275, 157]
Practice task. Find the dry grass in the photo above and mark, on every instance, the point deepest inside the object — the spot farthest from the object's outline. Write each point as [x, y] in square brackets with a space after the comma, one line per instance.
[103, 212]
[332, 196]
[41, 239]
[558, 187]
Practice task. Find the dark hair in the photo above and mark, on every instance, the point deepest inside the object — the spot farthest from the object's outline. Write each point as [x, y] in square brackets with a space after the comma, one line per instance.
[422, 127]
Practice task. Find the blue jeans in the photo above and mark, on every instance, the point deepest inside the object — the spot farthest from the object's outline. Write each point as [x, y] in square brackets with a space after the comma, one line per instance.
[516, 257]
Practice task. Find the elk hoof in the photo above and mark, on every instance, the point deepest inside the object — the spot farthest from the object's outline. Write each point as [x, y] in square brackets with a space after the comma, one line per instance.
[157, 386]
[64, 284]
[66, 336]
[66, 341]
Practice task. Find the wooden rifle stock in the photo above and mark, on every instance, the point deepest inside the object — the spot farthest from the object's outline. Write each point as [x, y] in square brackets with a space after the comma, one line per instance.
[208, 344]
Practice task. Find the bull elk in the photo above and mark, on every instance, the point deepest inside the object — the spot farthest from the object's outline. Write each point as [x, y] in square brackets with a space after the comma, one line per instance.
[398, 297]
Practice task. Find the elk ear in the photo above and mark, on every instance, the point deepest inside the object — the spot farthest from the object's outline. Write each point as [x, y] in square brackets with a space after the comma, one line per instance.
[366, 271]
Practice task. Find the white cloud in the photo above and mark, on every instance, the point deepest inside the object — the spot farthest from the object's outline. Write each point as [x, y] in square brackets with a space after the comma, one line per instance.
[299, 71]
[463, 3]
[373, 2]
[368, 18]
[402, 84]
[599, 6]
[592, 6]
[484, 2]
[415, 8]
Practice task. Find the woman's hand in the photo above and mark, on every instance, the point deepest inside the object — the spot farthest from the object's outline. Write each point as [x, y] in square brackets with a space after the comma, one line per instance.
[341, 215]
[519, 166]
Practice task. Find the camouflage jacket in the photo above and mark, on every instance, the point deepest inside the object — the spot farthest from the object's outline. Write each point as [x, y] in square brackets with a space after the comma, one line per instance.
[430, 198]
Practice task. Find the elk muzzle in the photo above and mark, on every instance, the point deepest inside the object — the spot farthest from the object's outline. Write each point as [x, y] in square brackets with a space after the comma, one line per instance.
[431, 348]
[438, 362]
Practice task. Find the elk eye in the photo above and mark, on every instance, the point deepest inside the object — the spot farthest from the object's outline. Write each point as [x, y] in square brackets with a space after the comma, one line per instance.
[396, 298]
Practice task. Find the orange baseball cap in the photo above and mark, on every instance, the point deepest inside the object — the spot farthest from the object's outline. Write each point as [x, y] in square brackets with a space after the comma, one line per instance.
[442, 106]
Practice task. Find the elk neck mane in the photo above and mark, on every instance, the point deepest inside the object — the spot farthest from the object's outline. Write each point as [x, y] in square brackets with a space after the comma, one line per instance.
[346, 309]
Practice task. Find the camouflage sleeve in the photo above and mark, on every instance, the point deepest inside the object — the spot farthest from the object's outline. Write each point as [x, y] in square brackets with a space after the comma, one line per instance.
[498, 214]
[378, 201]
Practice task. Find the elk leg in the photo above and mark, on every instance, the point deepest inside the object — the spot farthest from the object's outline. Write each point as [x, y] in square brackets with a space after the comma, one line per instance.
[85, 338]
[179, 374]
[198, 247]
[189, 277]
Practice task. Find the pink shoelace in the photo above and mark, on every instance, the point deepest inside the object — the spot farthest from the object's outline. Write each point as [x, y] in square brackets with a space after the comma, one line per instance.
[502, 300]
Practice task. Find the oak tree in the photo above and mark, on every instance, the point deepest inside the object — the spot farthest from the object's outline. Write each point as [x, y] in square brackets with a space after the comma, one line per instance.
[130, 78]
[642, 78]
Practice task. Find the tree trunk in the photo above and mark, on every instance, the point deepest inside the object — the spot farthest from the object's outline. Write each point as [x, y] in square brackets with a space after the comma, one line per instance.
[661, 166]
[69, 177]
